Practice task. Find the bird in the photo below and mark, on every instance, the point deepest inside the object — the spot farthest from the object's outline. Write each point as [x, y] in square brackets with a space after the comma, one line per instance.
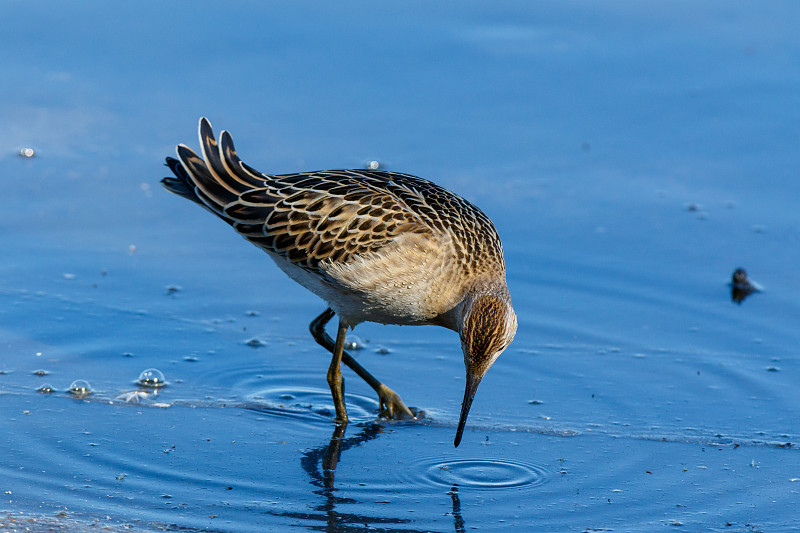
[376, 245]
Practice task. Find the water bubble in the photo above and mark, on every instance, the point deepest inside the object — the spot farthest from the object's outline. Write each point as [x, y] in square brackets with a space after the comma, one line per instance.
[152, 377]
[40, 372]
[46, 389]
[373, 165]
[27, 152]
[383, 350]
[353, 343]
[80, 388]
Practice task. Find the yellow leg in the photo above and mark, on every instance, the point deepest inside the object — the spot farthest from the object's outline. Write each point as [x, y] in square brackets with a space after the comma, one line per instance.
[335, 380]
[391, 406]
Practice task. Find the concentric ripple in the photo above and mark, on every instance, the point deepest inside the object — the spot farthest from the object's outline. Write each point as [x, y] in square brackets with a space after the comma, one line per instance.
[300, 399]
[480, 474]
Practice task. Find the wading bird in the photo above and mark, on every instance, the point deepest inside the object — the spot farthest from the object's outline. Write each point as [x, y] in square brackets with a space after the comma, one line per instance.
[377, 246]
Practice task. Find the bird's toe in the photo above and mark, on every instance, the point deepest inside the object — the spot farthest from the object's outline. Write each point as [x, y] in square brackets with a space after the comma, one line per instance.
[391, 406]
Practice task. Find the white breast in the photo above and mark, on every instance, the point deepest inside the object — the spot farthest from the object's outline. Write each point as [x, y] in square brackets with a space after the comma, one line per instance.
[400, 284]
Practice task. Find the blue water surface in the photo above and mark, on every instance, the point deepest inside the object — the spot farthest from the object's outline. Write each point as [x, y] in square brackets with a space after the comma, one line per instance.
[631, 154]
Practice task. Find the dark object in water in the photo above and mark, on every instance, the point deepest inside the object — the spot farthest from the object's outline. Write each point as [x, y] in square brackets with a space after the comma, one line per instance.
[741, 286]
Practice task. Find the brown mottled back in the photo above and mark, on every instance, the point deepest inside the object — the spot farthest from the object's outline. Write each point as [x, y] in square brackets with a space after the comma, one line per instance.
[331, 215]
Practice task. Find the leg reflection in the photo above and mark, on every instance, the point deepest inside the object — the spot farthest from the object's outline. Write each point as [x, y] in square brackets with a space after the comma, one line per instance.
[330, 457]
[320, 466]
[458, 520]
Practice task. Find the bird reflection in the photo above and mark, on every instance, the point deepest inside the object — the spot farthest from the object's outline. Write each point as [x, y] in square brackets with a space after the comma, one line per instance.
[742, 286]
[458, 520]
[320, 466]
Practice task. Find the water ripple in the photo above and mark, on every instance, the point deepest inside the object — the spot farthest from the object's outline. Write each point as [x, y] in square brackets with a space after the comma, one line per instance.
[476, 473]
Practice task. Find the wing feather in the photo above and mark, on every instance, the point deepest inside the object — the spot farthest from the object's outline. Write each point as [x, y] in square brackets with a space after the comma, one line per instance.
[329, 216]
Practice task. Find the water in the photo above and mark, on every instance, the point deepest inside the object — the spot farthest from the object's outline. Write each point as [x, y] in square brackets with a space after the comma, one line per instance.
[632, 157]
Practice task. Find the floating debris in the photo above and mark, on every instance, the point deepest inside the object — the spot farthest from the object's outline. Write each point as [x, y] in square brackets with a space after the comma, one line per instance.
[255, 343]
[252, 313]
[40, 372]
[172, 289]
[742, 286]
[80, 388]
[136, 396]
[26, 152]
[152, 378]
[693, 207]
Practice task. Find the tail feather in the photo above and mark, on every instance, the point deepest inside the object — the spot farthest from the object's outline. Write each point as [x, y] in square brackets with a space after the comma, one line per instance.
[211, 154]
[242, 172]
[204, 181]
[180, 184]
[218, 180]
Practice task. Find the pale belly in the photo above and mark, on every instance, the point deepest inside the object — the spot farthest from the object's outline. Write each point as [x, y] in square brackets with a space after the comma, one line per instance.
[408, 285]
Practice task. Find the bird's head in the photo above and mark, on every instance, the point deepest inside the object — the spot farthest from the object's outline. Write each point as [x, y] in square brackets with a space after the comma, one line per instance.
[487, 327]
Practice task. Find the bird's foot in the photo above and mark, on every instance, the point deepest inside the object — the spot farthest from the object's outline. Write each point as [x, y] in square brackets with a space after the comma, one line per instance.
[391, 406]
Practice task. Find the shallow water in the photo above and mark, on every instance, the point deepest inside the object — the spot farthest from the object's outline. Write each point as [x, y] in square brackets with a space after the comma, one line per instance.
[632, 156]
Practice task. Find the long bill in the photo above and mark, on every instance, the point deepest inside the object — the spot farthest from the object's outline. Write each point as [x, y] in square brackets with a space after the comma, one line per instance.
[469, 395]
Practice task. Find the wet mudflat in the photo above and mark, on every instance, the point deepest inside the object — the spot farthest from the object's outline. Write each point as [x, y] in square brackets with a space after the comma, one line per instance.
[632, 157]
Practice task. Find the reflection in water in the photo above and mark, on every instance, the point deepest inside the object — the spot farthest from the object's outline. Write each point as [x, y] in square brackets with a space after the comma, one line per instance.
[458, 521]
[320, 465]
